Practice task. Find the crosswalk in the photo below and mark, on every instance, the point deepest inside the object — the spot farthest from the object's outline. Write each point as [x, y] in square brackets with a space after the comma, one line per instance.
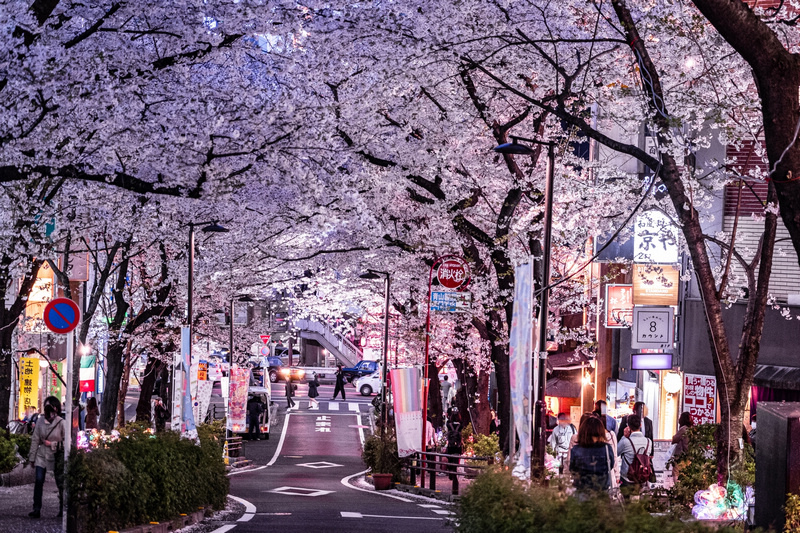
[334, 406]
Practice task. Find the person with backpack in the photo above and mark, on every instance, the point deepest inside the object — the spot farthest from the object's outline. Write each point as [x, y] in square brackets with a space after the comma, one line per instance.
[454, 444]
[635, 451]
[592, 458]
[560, 437]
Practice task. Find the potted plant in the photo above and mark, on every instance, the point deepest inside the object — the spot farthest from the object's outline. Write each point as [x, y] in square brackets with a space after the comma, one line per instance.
[380, 455]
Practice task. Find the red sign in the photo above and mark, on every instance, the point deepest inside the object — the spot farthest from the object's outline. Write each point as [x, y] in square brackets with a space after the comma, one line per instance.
[619, 306]
[453, 273]
[62, 315]
[265, 338]
[700, 398]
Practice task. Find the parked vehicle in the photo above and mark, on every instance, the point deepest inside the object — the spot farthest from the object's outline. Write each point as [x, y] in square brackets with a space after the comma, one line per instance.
[366, 385]
[264, 394]
[363, 368]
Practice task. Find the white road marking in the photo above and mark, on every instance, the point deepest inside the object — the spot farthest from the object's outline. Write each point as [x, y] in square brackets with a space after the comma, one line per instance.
[333, 406]
[347, 514]
[319, 464]
[346, 482]
[442, 511]
[249, 509]
[277, 450]
[429, 506]
[300, 491]
[360, 429]
[353, 407]
[224, 529]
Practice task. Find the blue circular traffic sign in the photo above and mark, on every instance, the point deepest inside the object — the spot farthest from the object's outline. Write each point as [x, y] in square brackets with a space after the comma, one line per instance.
[62, 315]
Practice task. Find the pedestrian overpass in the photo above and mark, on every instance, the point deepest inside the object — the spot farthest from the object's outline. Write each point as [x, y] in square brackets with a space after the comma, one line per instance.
[338, 345]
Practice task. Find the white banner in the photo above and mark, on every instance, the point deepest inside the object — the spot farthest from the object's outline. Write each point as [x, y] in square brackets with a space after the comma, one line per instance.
[520, 364]
[409, 432]
[202, 400]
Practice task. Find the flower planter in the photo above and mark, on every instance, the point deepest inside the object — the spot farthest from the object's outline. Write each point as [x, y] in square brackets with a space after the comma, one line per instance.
[382, 481]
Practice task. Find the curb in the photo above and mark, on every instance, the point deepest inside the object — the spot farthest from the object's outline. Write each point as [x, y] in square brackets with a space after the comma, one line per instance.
[175, 524]
[428, 493]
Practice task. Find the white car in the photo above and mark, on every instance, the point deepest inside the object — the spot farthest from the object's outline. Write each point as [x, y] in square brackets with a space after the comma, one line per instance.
[366, 385]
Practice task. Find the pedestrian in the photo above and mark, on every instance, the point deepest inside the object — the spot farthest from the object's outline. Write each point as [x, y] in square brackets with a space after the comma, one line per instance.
[290, 388]
[254, 411]
[601, 410]
[561, 436]
[161, 414]
[681, 441]
[494, 424]
[752, 433]
[592, 458]
[634, 450]
[92, 413]
[313, 392]
[454, 442]
[46, 443]
[640, 410]
[339, 383]
[445, 386]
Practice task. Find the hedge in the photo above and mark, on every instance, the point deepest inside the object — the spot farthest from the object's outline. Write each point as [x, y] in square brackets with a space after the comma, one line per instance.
[144, 478]
[495, 502]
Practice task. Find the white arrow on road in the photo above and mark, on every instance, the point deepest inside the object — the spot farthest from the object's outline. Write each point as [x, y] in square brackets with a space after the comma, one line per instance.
[347, 514]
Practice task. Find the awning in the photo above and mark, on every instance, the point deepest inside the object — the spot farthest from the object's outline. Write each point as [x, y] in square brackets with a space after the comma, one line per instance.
[566, 361]
[563, 388]
[777, 377]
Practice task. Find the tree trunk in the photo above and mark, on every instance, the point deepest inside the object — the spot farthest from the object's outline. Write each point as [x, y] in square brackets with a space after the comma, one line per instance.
[114, 368]
[123, 388]
[473, 399]
[434, 396]
[151, 373]
[6, 369]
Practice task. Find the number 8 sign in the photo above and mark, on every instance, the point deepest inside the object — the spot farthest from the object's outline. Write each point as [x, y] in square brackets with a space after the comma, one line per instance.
[653, 327]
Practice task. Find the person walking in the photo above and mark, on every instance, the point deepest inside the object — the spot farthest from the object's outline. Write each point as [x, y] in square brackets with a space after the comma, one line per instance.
[161, 414]
[92, 413]
[339, 383]
[633, 471]
[46, 441]
[592, 458]
[681, 441]
[290, 388]
[601, 410]
[254, 411]
[640, 410]
[454, 442]
[561, 436]
[313, 393]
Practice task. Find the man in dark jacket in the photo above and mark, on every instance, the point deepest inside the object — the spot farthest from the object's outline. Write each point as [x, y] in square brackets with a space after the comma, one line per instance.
[640, 410]
[162, 414]
[254, 411]
[601, 410]
[339, 383]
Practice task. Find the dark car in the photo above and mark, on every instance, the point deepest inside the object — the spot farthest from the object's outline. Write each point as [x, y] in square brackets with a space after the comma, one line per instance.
[363, 368]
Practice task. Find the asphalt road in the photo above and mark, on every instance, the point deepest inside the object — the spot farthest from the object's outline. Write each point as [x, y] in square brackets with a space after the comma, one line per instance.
[308, 482]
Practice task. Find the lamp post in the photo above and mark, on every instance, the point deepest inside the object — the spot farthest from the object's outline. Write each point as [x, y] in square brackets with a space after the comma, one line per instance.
[376, 274]
[208, 227]
[540, 410]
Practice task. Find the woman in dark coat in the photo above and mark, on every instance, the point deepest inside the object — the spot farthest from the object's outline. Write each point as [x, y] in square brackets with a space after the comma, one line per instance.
[92, 412]
[339, 383]
[290, 388]
[313, 385]
[592, 459]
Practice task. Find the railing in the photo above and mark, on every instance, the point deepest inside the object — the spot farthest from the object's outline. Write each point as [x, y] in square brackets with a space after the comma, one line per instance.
[347, 349]
[442, 462]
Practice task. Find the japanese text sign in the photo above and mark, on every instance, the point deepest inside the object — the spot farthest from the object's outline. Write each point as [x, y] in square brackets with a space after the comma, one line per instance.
[655, 239]
[700, 397]
[619, 306]
[453, 273]
[28, 385]
[655, 285]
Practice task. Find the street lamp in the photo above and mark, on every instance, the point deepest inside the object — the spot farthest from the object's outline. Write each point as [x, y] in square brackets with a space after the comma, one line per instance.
[540, 413]
[244, 298]
[208, 227]
[376, 274]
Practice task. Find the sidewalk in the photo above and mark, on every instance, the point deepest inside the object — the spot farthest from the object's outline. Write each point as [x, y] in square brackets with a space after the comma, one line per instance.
[17, 502]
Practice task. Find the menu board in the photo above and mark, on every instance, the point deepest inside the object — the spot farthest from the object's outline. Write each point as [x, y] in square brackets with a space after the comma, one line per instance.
[662, 451]
[700, 398]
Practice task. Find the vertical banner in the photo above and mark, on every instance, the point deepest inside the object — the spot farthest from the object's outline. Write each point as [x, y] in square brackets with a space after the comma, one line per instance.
[406, 386]
[202, 400]
[187, 413]
[700, 398]
[28, 385]
[177, 393]
[53, 383]
[87, 373]
[237, 403]
[520, 367]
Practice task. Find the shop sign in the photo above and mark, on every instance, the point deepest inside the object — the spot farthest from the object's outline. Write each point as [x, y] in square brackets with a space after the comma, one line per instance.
[452, 302]
[619, 306]
[651, 361]
[653, 327]
[453, 273]
[28, 385]
[700, 397]
[655, 238]
[655, 284]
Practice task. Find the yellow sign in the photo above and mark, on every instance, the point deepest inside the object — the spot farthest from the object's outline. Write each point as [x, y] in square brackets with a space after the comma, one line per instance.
[28, 385]
[655, 285]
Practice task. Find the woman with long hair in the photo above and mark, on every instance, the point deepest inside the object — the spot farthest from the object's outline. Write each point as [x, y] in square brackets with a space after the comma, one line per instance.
[592, 459]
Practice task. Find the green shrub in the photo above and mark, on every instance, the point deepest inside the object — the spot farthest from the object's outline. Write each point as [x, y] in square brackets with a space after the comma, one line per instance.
[145, 478]
[381, 455]
[698, 466]
[792, 509]
[497, 503]
[8, 454]
[23, 443]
